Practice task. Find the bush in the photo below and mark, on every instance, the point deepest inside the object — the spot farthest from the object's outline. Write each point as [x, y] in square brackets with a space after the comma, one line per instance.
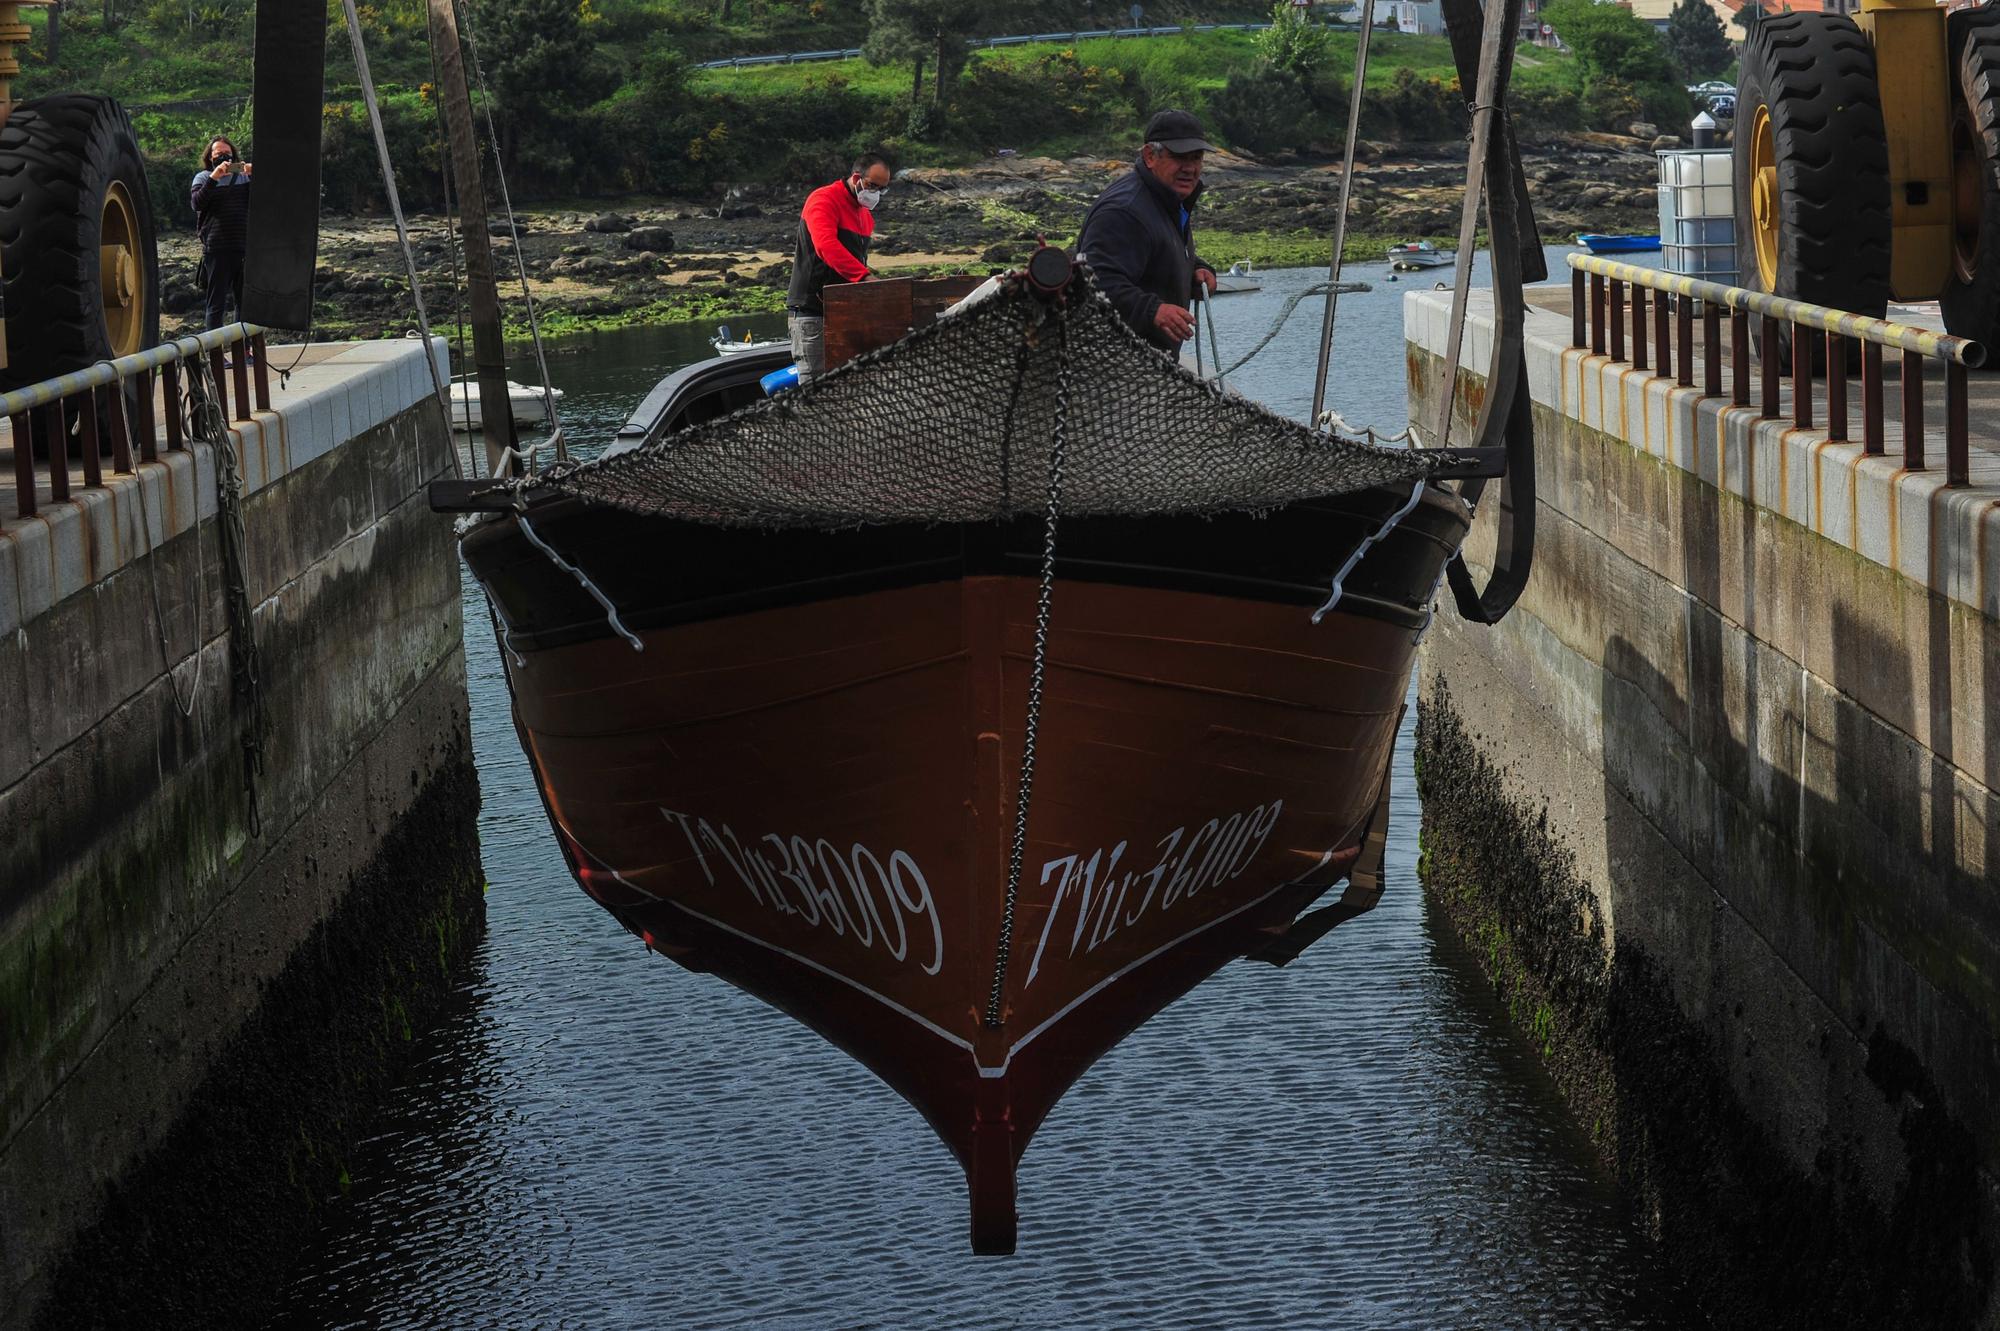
[1267, 112]
[999, 103]
[1414, 109]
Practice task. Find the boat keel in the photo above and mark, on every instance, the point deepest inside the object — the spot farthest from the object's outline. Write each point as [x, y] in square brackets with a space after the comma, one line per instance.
[989, 1174]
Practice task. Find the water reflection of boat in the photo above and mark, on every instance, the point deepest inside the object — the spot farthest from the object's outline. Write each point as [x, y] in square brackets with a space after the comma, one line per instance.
[1414, 254]
[1240, 277]
[525, 403]
[808, 713]
[725, 345]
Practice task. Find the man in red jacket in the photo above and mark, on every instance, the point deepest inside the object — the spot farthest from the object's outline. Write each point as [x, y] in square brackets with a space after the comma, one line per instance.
[834, 229]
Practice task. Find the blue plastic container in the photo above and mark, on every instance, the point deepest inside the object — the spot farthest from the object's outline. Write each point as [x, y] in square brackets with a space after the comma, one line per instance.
[777, 381]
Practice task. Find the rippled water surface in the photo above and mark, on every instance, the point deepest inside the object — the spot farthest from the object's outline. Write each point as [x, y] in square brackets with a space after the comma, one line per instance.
[600, 1139]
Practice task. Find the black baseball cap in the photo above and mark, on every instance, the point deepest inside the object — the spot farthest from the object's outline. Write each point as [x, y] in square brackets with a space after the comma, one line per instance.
[1178, 132]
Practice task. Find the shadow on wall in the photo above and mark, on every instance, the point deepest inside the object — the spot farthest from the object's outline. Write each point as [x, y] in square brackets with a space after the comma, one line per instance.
[1830, 1207]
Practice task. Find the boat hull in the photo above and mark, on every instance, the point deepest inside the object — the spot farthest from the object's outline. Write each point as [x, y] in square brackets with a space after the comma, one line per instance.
[809, 790]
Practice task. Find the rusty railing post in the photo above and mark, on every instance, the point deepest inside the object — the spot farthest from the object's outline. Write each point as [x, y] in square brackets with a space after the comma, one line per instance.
[1768, 363]
[1802, 350]
[1913, 410]
[1638, 327]
[1662, 358]
[1739, 357]
[1836, 386]
[261, 372]
[1684, 328]
[121, 435]
[240, 371]
[88, 437]
[1957, 458]
[146, 426]
[1579, 325]
[50, 417]
[24, 465]
[1711, 349]
[1597, 314]
[170, 402]
[1617, 319]
[217, 372]
[1871, 398]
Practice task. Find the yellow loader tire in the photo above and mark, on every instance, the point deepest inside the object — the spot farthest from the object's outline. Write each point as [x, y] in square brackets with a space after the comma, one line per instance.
[76, 224]
[1812, 169]
[1971, 298]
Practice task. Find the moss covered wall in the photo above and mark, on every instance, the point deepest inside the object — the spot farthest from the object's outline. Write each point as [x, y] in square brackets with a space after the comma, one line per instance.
[155, 893]
[1705, 806]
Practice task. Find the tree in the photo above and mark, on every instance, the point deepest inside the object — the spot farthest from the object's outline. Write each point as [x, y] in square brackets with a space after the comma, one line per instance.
[1696, 42]
[920, 31]
[543, 70]
[1610, 42]
[1621, 69]
[1294, 43]
[1753, 13]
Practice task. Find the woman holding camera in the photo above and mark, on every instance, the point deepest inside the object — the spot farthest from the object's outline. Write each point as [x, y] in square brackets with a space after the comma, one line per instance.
[221, 199]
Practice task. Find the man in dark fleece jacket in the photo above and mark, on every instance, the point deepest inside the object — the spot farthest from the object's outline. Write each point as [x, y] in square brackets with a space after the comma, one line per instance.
[1138, 236]
[221, 198]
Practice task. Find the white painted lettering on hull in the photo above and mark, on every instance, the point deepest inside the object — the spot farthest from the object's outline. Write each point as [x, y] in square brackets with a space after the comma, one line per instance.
[852, 895]
[1095, 895]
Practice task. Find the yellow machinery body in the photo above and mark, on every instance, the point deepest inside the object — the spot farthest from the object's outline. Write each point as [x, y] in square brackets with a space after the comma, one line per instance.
[1913, 71]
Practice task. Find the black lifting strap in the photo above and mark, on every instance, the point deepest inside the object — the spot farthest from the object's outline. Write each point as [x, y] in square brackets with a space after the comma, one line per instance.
[1508, 410]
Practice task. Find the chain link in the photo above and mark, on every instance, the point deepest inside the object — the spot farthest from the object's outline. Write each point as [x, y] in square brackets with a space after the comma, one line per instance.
[1017, 853]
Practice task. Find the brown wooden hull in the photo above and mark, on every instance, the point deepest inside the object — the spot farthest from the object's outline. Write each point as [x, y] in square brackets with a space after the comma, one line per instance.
[815, 801]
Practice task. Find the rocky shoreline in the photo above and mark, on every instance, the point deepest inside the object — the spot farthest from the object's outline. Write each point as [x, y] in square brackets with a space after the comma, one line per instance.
[658, 260]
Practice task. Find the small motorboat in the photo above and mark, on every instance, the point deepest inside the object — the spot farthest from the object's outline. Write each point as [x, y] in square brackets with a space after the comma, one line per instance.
[725, 345]
[1414, 254]
[1240, 277]
[1597, 244]
[528, 405]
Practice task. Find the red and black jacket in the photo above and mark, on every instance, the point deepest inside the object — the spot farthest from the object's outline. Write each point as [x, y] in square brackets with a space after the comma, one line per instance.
[832, 246]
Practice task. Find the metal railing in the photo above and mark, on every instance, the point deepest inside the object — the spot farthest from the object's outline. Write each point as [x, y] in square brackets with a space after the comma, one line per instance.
[1598, 291]
[987, 43]
[92, 403]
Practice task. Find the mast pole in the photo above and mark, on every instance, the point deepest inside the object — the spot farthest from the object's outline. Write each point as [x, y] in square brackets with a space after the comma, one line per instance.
[1340, 223]
[496, 417]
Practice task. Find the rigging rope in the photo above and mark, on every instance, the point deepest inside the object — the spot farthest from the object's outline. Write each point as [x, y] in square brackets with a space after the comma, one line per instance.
[1340, 219]
[402, 228]
[514, 233]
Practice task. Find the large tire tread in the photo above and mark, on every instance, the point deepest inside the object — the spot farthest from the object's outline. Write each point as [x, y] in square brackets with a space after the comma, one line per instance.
[1817, 74]
[1972, 308]
[58, 156]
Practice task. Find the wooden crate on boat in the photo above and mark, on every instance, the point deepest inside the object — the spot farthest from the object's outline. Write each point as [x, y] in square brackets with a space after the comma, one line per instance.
[861, 316]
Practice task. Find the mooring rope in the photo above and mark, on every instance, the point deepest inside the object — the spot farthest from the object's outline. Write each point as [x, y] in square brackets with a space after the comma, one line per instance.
[246, 668]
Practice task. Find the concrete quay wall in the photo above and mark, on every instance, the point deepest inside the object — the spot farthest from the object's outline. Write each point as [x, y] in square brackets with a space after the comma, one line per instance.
[1716, 806]
[204, 968]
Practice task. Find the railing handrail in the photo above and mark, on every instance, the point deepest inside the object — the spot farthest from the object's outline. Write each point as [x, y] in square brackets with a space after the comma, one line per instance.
[1904, 337]
[115, 371]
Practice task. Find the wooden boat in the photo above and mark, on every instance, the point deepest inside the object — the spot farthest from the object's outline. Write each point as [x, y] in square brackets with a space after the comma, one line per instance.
[1412, 255]
[795, 758]
[526, 404]
[1600, 244]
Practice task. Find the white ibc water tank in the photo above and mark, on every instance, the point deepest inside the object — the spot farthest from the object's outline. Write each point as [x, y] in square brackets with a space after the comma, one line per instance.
[1698, 211]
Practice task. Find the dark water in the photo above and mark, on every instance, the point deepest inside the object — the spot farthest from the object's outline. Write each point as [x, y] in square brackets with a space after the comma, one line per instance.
[599, 1139]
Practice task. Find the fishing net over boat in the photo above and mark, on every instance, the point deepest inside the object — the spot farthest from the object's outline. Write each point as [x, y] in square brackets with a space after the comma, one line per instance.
[957, 422]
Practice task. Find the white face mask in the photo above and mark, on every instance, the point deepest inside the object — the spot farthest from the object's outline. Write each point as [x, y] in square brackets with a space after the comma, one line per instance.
[868, 196]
